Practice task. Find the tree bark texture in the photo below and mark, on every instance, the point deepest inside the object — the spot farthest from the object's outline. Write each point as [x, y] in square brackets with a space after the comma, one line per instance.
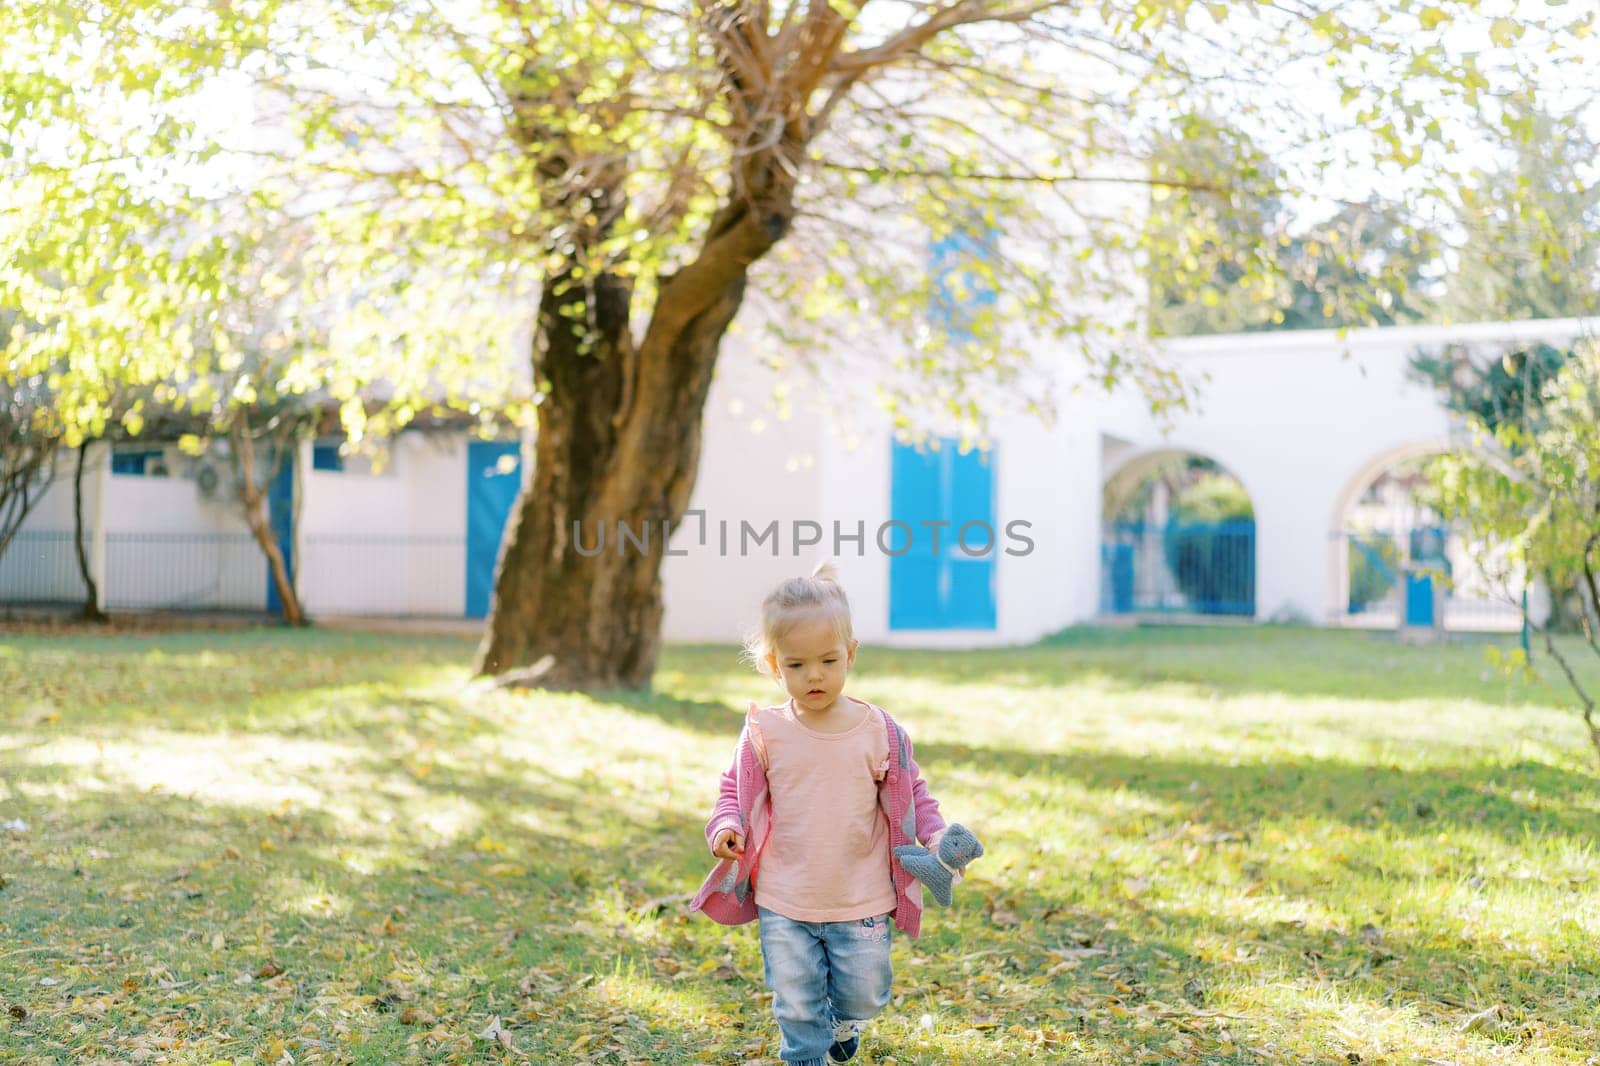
[617, 449]
[618, 442]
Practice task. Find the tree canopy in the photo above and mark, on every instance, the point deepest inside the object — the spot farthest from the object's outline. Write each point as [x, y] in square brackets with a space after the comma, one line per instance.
[573, 201]
[461, 155]
[1530, 222]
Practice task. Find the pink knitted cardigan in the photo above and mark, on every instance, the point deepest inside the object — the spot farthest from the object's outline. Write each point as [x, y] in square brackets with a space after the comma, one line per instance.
[743, 805]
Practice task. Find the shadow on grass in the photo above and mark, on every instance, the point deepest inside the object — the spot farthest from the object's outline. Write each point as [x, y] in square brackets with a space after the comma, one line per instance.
[1264, 660]
[453, 914]
[596, 841]
[1152, 963]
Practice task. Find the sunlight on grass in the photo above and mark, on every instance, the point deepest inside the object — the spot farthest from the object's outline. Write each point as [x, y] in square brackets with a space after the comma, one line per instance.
[313, 901]
[1254, 847]
[1340, 1022]
[259, 772]
[665, 1005]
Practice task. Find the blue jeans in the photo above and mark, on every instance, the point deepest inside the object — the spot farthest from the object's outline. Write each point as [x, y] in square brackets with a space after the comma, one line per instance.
[821, 973]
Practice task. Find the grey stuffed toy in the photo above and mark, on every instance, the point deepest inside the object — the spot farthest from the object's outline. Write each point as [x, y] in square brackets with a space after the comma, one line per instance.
[938, 871]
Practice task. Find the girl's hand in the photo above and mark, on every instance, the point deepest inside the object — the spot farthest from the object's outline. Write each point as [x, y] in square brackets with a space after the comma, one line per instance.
[728, 845]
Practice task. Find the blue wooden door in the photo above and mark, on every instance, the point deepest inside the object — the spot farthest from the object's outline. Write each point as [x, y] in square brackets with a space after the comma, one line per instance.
[280, 513]
[494, 479]
[1427, 551]
[1117, 558]
[943, 586]
[1419, 600]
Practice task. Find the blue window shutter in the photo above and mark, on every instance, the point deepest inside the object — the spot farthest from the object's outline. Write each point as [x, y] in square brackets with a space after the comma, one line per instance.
[915, 488]
[280, 511]
[132, 464]
[326, 457]
[948, 589]
[959, 289]
[128, 463]
[971, 603]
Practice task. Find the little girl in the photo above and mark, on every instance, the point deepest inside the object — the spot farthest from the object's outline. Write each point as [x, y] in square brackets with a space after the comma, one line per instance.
[822, 789]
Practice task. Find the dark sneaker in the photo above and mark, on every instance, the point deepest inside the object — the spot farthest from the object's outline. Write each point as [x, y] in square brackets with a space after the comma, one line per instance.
[846, 1041]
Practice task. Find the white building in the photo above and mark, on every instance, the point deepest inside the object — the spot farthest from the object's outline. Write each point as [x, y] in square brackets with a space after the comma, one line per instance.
[1306, 421]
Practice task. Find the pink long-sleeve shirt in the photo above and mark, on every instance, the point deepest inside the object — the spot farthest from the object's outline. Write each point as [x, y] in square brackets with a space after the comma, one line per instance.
[744, 806]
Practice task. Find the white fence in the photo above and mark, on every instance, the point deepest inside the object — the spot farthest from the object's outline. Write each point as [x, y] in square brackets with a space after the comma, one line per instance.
[389, 576]
[41, 568]
[185, 571]
[396, 576]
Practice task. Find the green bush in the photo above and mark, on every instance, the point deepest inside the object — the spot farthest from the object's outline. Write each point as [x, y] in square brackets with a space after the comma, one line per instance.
[1374, 566]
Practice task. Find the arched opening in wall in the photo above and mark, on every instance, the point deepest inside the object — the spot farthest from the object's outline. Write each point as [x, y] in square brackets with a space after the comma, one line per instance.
[1394, 560]
[1179, 537]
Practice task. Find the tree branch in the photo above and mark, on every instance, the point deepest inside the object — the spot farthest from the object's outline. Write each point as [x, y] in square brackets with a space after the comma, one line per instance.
[851, 65]
[1044, 179]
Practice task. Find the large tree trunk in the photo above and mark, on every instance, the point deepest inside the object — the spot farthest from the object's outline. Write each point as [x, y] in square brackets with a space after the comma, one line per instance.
[618, 441]
[617, 449]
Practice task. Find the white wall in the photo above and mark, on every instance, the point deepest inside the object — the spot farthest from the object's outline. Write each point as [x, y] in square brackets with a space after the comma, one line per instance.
[1303, 420]
[754, 467]
[162, 545]
[757, 465]
[393, 543]
[387, 543]
[167, 546]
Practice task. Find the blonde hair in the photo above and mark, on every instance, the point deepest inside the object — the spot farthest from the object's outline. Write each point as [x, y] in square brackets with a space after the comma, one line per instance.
[795, 600]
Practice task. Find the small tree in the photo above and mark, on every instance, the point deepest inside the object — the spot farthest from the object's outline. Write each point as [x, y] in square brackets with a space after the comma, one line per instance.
[1527, 487]
[257, 423]
[260, 440]
[29, 439]
[91, 591]
[1374, 562]
[1507, 389]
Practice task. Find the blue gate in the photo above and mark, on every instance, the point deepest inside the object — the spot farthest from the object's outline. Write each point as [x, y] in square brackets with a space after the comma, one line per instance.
[1117, 561]
[494, 480]
[1427, 551]
[947, 587]
[280, 514]
[1192, 567]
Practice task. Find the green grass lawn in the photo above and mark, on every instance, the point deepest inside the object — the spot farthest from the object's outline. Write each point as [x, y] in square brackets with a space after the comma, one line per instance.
[1226, 846]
